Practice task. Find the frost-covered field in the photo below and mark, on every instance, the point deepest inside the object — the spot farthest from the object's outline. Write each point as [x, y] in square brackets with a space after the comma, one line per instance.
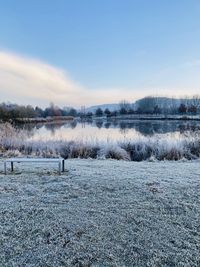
[101, 213]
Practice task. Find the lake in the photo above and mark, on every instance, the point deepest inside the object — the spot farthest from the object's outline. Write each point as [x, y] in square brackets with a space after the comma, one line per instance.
[109, 130]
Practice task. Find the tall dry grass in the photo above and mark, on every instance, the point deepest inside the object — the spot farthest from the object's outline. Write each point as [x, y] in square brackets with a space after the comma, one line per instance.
[15, 142]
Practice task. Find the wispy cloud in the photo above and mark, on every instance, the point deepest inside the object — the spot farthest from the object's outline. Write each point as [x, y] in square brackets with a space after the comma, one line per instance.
[30, 81]
[25, 78]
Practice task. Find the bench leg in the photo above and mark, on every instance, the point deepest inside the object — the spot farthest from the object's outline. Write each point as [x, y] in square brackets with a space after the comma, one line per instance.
[63, 165]
[12, 166]
[59, 167]
[5, 170]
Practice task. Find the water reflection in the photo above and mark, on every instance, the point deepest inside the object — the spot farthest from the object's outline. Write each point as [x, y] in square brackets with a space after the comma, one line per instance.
[99, 124]
[107, 125]
[102, 129]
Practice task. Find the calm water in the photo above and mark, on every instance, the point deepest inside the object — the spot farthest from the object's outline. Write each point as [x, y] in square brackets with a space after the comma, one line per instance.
[104, 130]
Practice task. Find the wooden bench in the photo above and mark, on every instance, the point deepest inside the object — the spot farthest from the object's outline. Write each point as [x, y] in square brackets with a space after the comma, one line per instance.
[59, 161]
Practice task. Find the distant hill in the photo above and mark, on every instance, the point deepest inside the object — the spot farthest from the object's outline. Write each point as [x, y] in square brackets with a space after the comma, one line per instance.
[111, 107]
[162, 102]
[148, 104]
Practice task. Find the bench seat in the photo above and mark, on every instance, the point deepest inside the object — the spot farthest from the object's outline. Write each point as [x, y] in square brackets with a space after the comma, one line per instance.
[59, 161]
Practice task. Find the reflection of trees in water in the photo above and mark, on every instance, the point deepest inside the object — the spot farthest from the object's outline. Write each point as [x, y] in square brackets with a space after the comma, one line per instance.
[83, 124]
[171, 126]
[38, 126]
[107, 125]
[149, 127]
[99, 124]
[29, 128]
[73, 124]
[156, 127]
[159, 127]
[89, 120]
[56, 126]
[52, 127]
[146, 128]
[115, 123]
[123, 127]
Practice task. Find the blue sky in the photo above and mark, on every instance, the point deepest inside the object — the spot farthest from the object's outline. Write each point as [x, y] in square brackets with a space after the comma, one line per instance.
[118, 48]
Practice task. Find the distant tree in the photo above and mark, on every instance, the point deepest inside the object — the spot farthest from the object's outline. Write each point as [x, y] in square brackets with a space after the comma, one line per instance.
[3, 113]
[48, 112]
[196, 102]
[182, 108]
[30, 112]
[52, 111]
[130, 111]
[107, 112]
[39, 112]
[114, 113]
[89, 114]
[192, 109]
[14, 111]
[99, 112]
[72, 112]
[171, 106]
[123, 111]
[63, 112]
[157, 110]
[146, 105]
[125, 106]
[57, 111]
[138, 110]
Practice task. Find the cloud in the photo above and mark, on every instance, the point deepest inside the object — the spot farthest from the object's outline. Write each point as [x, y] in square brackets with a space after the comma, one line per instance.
[29, 81]
[25, 80]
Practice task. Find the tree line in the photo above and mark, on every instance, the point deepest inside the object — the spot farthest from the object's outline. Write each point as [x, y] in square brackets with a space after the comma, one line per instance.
[155, 106]
[14, 111]
[148, 105]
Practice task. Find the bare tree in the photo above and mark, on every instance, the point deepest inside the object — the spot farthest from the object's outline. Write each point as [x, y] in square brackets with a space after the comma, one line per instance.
[196, 102]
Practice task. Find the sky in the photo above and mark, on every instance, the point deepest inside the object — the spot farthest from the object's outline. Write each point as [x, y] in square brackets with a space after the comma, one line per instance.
[88, 52]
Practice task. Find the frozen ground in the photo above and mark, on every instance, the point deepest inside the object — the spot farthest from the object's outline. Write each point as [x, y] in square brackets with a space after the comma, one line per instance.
[101, 213]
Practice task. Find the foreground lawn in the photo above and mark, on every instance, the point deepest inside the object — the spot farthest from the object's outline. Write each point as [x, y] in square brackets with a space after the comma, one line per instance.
[101, 213]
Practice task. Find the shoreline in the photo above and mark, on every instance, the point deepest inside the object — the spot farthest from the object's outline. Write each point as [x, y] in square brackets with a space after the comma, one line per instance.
[43, 120]
[113, 118]
[152, 117]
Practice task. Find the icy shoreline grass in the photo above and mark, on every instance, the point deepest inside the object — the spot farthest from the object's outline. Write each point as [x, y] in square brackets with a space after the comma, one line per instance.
[15, 142]
[101, 213]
